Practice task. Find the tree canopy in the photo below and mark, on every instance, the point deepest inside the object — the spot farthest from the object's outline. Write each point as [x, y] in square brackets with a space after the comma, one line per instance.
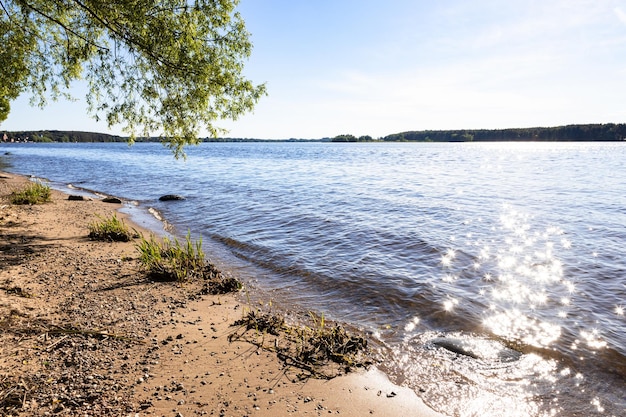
[167, 66]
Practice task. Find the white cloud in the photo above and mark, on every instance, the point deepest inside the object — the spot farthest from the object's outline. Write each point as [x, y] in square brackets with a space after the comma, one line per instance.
[621, 15]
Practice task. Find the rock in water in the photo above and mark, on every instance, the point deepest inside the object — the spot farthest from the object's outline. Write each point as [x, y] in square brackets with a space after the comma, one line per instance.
[171, 197]
[459, 346]
[477, 348]
[78, 198]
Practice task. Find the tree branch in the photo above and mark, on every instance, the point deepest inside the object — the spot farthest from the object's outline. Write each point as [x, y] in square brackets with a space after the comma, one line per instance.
[5, 9]
[62, 25]
[130, 40]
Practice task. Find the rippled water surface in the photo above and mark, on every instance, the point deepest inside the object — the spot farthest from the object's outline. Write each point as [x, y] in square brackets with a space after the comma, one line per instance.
[494, 275]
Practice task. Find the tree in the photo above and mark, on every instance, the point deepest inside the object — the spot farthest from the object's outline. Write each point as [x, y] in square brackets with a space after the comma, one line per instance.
[344, 138]
[167, 66]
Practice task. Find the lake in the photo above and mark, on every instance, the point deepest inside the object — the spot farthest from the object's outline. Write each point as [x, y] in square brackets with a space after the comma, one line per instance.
[511, 254]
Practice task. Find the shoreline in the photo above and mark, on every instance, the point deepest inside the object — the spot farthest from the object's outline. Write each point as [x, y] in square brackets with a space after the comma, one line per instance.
[84, 333]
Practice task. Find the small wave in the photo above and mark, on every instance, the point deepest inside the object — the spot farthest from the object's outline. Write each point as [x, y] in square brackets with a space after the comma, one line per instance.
[155, 213]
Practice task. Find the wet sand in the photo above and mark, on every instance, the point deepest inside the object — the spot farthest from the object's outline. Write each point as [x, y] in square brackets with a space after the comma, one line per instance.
[84, 332]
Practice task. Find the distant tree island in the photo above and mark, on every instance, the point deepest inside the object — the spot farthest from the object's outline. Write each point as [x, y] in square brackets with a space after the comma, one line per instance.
[608, 132]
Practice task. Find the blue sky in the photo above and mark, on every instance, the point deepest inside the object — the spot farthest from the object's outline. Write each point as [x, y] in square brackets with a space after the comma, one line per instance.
[369, 67]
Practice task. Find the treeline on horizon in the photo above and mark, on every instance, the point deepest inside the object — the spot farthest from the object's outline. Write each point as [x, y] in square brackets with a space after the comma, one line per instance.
[70, 136]
[570, 133]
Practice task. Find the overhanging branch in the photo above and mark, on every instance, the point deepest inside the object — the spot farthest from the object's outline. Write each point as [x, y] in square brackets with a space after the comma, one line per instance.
[61, 24]
[131, 41]
[5, 9]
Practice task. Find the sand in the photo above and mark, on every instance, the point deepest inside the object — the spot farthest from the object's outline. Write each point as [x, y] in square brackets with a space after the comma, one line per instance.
[85, 333]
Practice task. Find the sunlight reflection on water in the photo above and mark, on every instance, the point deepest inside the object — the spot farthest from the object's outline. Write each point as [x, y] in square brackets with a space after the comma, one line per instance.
[528, 301]
[496, 382]
[529, 296]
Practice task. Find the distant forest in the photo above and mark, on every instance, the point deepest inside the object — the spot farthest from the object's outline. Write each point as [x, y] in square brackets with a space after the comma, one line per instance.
[65, 136]
[59, 136]
[570, 133]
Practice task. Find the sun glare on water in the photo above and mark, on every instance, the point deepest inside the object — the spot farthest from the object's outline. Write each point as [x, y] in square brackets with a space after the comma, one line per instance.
[522, 281]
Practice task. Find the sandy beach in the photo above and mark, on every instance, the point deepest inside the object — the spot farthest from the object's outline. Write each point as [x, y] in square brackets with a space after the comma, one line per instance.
[85, 333]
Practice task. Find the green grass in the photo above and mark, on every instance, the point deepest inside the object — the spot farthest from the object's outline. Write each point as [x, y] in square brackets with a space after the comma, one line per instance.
[34, 193]
[111, 229]
[171, 260]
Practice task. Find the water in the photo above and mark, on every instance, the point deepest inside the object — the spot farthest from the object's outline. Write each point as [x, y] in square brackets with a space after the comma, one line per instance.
[513, 253]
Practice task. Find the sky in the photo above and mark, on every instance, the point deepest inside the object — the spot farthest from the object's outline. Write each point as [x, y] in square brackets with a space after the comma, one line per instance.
[367, 67]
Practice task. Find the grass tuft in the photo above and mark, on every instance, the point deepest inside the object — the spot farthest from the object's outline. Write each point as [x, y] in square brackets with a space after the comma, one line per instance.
[111, 229]
[34, 193]
[171, 260]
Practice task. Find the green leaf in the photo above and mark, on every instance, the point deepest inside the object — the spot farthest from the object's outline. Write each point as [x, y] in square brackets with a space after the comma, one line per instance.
[166, 68]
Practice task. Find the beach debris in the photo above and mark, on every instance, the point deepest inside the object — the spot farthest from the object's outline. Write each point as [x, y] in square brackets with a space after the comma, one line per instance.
[218, 283]
[19, 291]
[322, 351]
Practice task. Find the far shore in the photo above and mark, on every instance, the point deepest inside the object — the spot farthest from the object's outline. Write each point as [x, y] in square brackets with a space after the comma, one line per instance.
[84, 332]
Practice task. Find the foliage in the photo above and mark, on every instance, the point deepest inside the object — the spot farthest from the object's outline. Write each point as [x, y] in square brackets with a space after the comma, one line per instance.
[64, 136]
[345, 138]
[169, 260]
[42, 139]
[5, 108]
[352, 138]
[111, 229]
[34, 193]
[586, 132]
[166, 66]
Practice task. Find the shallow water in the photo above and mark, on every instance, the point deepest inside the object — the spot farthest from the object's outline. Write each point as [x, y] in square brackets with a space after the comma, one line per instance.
[503, 246]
